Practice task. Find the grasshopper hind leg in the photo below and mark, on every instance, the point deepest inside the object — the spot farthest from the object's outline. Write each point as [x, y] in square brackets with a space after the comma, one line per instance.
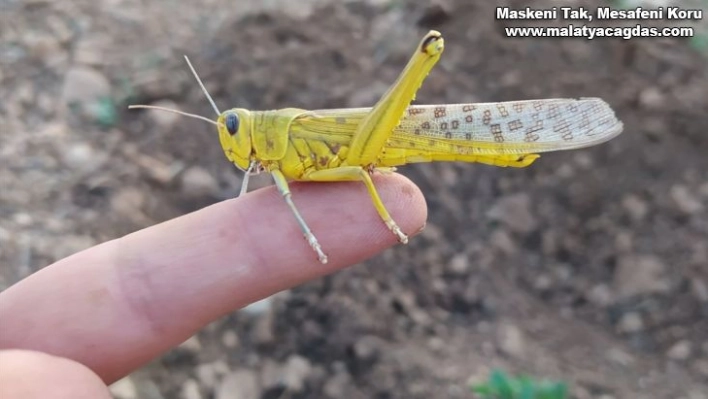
[357, 173]
[377, 126]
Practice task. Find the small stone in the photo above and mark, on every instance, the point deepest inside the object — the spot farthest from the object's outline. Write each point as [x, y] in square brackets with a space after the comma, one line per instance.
[479, 376]
[436, 344]
[460, 264]
[190, 390]
[23, 219]
[701, 366]
[583, 160]
[84, 85]
[684, 200]
[565, 171]
[543, 282]
[338, 385]
[230, 339]
[241, 384]
[620, 357]
[636, 207]
[128, 203]
[271, 375]
[295, 373]
[502, 241]
[60, 27]
[432, 232]
[515, 212]
[699, 393]
[699, 289]
[511, 78]
[420, 317]
[600, 295]
[25, 94]
[46, 103]
[639, 275]
[192, 344]
[91, 50]
[263, 329]
[259, 307]
[300, 10]
[82, 156]
[549, 242]
[41, 45]
[699, 253]
[148, 389]
[580, 392]
[651, 98]
[563, 272]
[488, 350]
[510, 340]
[209, 373]
[630, 322]
[157, 170]
[198, 182]
[124, 389]
[367, 347]
[623, 242]
[449, 177]
[703, 190]
[164, 119]
[680, 351]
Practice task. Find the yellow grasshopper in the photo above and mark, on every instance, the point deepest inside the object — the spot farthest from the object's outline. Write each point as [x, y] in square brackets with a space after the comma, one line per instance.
[351, 144]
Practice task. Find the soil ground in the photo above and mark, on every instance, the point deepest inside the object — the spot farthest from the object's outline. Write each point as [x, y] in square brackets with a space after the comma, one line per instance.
[590, 266]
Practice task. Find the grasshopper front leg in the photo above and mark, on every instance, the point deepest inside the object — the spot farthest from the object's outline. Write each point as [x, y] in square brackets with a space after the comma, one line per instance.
[282, 184]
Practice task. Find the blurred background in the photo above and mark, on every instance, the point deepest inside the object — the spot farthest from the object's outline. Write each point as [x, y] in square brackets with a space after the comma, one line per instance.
[591, 266]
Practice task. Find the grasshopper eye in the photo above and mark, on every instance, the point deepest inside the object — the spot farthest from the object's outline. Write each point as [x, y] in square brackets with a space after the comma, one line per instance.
[231, 122]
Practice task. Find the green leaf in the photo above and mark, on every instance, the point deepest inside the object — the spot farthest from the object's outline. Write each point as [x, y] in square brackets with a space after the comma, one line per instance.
[502, 386]
[103, 111]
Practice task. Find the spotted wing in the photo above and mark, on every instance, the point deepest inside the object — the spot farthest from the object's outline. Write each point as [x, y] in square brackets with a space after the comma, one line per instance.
[516, 127]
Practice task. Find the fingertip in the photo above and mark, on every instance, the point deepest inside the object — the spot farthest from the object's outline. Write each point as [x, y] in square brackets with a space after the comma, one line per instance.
[407, 203]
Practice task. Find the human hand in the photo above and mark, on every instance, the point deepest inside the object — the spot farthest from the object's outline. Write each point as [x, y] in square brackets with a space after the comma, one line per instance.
[94, 317]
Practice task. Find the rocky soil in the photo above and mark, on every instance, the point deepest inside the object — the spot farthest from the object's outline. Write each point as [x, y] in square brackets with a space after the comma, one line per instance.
[590, 266]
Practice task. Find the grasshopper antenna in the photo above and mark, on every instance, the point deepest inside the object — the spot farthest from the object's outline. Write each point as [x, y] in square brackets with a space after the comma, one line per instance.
[252, 166]
[211, 101]
[206, 93]
[174, 111]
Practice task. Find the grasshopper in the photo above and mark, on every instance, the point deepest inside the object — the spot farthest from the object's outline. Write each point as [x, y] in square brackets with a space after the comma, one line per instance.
[351, 144]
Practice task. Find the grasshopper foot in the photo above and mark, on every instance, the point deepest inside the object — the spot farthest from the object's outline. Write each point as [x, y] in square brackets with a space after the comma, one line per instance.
[316, 247]
[402, 238]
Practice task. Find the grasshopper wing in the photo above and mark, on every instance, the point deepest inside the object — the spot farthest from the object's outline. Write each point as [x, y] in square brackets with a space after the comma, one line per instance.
[517, 127]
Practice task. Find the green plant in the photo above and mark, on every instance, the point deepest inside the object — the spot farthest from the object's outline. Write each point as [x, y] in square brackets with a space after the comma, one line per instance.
[103, 111]
[502, 386]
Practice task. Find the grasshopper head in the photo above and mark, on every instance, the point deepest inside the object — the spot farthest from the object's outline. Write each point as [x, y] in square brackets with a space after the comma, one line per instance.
[235, 136]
